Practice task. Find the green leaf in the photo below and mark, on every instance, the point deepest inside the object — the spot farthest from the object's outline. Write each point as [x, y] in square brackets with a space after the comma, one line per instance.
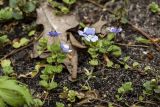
[29, 7]
[135, 65]
[6, 14]
[54, 48]
[93, 52]
[125, 59]
[6, 66]
[31, 33]
[102, 50]
[13, 93]
[52, 85]
[147, 68]
[4, 39]
[44, 83]
[59, 68]
[59, 104]
[125, 88]
[17, 14]
[118, 97]
[61, 57]
[110, 36]
[16, 45]
[65, 10]
[2, 103]
[44, 77]
[140, 98]
[38, 103]
[117, 53]
[24, 41]
[93, 62]
[69, 1]
[5, 63]
[8, 70]
[126, 66]
[50, 60]
[121, 90]
[115, 50]
[109, 63]
[124, 20]
[106, 43]
[13, 3]
[49, 69]
[142, 40]
[154, 7]
[72, 95]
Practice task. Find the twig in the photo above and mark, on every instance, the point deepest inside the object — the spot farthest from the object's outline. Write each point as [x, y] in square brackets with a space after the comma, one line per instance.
[95, 3]
[19, 49]
[127, 45]
[129, 23]
[145, 34]
[147, 102]
[109, 102]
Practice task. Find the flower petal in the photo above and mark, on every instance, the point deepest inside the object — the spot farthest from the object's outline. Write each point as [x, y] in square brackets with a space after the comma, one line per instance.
[89, 31]
[94, 38]
[114, 29]
[88, 38]
[65, 48]
[81, 33]
[54, 33]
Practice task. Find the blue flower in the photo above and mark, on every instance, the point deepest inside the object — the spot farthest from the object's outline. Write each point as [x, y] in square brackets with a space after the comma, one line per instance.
[65, 48]
[114, 29]
[54, 33]
[88, 34]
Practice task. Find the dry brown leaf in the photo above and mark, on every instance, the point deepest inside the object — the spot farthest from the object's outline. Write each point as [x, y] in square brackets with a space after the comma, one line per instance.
[51, 22]
[88, 96]
[74, 42]
[98, 25]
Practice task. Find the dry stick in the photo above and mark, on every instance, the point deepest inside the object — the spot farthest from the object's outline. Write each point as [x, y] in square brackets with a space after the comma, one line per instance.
[133, 26]
[146, 35]
[127, 45]
[19, 49]
[147, 102]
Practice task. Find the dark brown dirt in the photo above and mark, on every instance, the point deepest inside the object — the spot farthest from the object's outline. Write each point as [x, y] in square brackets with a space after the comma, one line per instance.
[106, 80]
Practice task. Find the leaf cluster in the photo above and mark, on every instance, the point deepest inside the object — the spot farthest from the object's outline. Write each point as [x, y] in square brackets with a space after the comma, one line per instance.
[152, 87]
[6, 14]
[17, 9]
[13, 93]
[70, 95]
[3, 40]
[6, 66]
[22, 7]
[62, 8]
[126, 87]
[54, 64]
[154, 7]
[22, 42]
[103, 46]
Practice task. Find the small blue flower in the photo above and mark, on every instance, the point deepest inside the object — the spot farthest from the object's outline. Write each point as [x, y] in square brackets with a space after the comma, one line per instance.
[65, 48]
[114, 29]
[88, 34]
[54, 33]
[92, 38]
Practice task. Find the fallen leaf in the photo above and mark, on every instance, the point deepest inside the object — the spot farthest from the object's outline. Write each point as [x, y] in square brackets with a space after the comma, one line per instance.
[74, 42]
[98, 25]
[52, 22]
[89, 95]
